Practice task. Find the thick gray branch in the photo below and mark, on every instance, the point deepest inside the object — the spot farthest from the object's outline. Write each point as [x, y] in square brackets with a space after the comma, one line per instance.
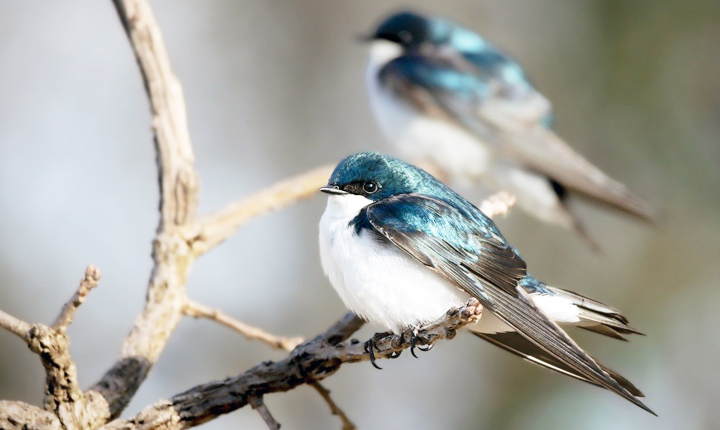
[312, 361]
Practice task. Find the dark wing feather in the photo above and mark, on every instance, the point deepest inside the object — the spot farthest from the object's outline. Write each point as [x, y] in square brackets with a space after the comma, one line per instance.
[513, 342]
[509, 115]
[465, 248]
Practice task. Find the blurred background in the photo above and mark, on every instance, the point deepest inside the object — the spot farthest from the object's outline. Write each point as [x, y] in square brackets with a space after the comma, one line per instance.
[274, 88]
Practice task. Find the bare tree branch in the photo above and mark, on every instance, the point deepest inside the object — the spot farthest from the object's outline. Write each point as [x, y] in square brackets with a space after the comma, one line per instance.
[178, 203]
[197, 310]
[21, 416]
[215, 228]
[14, 325]
[63, 396]
[258, 404]
[334, 408]
[310, 362]
[90, 281]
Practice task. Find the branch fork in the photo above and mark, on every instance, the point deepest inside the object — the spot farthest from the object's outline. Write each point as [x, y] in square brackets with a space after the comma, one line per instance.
[180, 239]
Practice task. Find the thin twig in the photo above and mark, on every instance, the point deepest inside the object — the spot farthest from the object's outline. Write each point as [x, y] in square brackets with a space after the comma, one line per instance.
[14, 325]
[90, 281]
[498, 204]
[257, 403]
[334, 408]
[215, 228]
[197, 310]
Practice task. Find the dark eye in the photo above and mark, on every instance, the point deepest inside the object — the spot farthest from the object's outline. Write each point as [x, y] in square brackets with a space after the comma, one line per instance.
[370, 187]
[405, 36]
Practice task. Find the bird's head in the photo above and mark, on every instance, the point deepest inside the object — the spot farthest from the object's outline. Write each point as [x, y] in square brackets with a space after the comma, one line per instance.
[406, 29]
[411, 31]
[375, 177]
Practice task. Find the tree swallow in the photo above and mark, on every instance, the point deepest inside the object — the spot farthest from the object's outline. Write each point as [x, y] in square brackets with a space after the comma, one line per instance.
[401, 249]
[442, 94]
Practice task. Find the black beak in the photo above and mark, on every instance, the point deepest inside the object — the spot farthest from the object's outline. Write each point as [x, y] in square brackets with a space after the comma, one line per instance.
[333, 190]
[364, 38]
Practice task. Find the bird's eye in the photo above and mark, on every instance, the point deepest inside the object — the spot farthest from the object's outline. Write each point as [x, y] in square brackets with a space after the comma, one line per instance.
[405, 36]
[370, 187]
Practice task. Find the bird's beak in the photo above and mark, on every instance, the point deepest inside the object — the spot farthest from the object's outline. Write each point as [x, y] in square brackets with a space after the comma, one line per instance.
[364, 38]
[333, 190]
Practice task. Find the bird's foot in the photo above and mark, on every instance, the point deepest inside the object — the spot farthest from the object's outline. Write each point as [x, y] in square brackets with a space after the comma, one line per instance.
[414, 337]
[371, 347]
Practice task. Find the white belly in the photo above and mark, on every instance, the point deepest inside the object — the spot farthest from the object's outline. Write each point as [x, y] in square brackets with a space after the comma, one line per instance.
[387, 287]
[460, 154]
[379, 282]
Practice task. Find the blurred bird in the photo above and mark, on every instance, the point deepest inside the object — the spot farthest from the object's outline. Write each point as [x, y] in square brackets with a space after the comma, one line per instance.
[401, 249]
[445, 96]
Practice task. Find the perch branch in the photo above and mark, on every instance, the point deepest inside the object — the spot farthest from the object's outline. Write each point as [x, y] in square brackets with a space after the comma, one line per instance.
[90, 281]
[312, 361]
[334, 408]
[215, 228]
[197, 310]
[258, 404]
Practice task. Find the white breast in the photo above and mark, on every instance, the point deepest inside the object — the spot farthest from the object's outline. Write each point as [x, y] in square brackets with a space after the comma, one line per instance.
[387, 287]
[378, 281]
[460, 154]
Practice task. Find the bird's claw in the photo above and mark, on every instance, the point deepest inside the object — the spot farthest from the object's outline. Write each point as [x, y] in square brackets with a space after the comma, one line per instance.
[413, 343]
[370, 349]
[426, 348]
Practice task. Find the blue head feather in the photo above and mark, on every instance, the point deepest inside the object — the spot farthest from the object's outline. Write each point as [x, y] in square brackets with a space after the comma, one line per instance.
[413, 31]
[449, 216]
[394, 177]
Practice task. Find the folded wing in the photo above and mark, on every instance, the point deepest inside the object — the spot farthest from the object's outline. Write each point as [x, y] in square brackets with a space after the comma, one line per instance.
[465, 247]
[487, 94]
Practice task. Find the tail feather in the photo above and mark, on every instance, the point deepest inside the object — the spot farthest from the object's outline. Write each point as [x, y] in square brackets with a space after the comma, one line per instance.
[515, 343]
[597, 316]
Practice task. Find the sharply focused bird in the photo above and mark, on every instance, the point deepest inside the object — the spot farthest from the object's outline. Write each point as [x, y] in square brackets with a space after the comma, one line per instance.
[443, 95]
[401, 249]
